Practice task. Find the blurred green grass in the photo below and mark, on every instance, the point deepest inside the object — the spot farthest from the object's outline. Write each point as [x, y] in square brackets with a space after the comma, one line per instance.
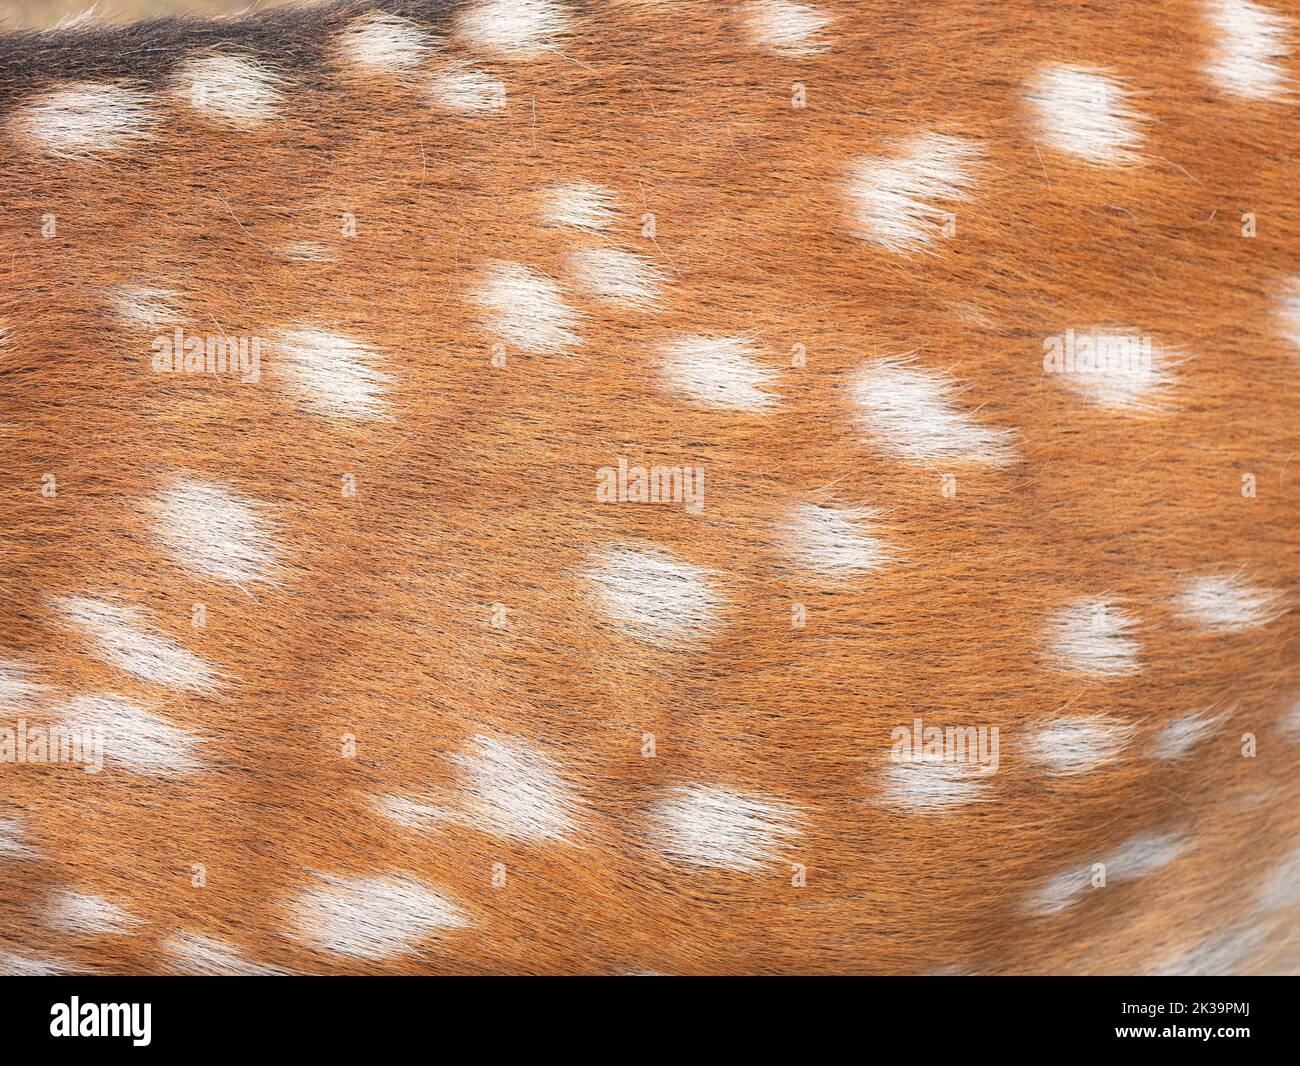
[37, 14]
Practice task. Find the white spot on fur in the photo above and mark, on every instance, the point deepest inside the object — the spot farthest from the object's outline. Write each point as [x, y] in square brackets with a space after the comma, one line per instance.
[1281, 888]
[785, 27]
[1137, 857]
[13, 844]
[516, 29]
[1226, 604]
[1091, 637]
[118, 637]
[652, 594]
[930, 783]
[231, 89]
[334, 376]
[526, 310]
[16, 687]
[1176, 739]
[1218, 955]
[903, 201]
[1289, 312]
[384, 43]
[834, 541]
[133, 736]
[1250, 50]
[79, 122]
[1124, 371]
[1079, 744]
[513, 791]
[145, 307]
[719, 372]
[88, 915]
[580, 204]
[373, 917]
[1289, 721]
[620, 277]
[214, 531]
[306, 252]
[194, 953]
[414, 814]
[508, 789]
[15, 964]
[1086, 113]
[709, 826]
[463, 88]
[911, 413]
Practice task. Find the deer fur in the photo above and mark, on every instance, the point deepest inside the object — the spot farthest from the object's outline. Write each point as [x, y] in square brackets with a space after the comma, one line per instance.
[613, 434]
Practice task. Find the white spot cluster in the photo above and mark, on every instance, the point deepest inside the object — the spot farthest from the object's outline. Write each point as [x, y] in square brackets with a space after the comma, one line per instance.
[373, 917]
[194, 953]
[911, 414]
[1079, 744]
[929, 784]
[708, 826]
[1086, 113]
[1250, 49]
[89, 915]
[785, 27]
[617, 276]
[903, 201]
[1136, 857]
[460, 87]
[834, 541]
[526, 310]
[214, 531]
[231, 89]
[579, 204]
[118, 636]
[383, 43]
[81, 121]
[332, 375]
[652, 595]
[1091, 636]
[1226, 604]
[721, 372]
[514, 29]
[133, 736]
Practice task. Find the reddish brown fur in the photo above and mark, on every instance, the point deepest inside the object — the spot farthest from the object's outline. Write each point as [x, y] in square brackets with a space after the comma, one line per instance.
[480, 490]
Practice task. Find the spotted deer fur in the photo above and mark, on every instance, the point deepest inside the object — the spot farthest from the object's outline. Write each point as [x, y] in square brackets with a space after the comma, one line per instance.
[515, 486]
